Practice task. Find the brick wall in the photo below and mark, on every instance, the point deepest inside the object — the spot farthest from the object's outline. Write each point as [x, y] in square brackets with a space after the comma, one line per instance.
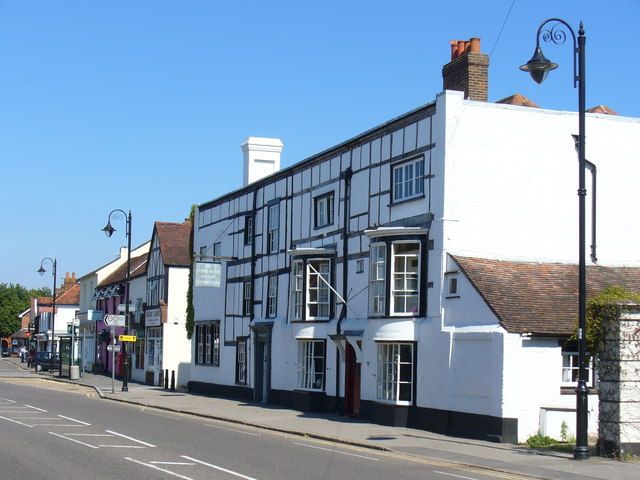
[468, 73]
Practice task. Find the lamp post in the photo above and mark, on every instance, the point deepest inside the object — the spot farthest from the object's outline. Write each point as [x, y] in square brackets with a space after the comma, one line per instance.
[42, 271]
[539, 66]
[108, 231]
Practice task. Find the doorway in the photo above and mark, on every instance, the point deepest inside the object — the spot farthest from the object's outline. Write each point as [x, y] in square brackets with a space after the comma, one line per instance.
[262, 363]
[352, 382]
[154, 356]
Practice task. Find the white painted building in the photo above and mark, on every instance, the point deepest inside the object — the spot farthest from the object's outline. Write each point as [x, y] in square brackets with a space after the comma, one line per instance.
[379, 221]
[166, 344]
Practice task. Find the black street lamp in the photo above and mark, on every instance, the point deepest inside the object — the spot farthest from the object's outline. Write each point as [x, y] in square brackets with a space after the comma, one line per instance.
[108, 231]
[42, 271]
[539, 67]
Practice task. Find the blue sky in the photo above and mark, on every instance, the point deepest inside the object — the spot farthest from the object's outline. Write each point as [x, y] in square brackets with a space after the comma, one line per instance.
[143, 105]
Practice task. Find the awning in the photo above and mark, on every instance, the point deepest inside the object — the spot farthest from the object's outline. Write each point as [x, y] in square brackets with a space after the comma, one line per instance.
[351, 337]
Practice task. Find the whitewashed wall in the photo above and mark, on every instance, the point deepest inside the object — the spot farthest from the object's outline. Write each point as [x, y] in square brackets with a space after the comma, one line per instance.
[176, 348]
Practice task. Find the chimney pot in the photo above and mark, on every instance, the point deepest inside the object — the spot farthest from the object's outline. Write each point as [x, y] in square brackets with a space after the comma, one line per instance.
[468, 70]
[474, 46]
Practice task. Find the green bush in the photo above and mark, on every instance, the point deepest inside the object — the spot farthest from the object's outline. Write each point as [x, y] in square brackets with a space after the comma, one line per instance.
[539, 441]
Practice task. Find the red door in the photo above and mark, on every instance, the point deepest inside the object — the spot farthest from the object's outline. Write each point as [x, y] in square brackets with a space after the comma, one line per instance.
[352, 383]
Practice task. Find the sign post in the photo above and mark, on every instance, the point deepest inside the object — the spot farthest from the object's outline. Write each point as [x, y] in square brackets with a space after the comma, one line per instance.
[113, 359]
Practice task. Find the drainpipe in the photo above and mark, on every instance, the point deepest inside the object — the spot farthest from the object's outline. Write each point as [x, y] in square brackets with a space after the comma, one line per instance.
[348, 173]
[592, 168]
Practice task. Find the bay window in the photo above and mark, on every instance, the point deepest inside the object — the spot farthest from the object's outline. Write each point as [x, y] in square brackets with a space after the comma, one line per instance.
[311, 296]
[395, 278]
[395, 372]
[311, 362]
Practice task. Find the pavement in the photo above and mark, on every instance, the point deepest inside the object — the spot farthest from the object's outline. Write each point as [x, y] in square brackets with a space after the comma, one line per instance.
[417, 444]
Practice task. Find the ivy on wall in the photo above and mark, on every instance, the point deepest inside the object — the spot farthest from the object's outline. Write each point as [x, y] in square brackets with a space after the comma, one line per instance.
[604, 308]
[190, 323]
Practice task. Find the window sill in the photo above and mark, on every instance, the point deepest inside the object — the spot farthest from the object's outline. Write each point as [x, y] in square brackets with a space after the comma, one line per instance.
[311, 321]
[397, 403]
[452, 296]
[309, 390]
[206, 364]
[405, 200]
[320, 227]
[395, 317]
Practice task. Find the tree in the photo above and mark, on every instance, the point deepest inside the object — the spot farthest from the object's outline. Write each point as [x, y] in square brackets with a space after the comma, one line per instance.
[14, 299]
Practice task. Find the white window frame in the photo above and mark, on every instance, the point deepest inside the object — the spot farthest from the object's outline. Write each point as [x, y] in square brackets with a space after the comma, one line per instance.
[297, 289]
[323, 210]
[247, 300]
[408, 179]
[273, 228]
[408, 276]
[571, 366]
[377, 278]
[272, 296]
[241, 361]
[390, 370]
[248, 230]
[217, 249]
[309, 378]
[319, 287]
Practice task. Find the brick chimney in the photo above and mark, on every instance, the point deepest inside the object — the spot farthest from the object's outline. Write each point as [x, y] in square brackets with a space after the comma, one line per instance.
[468, 70]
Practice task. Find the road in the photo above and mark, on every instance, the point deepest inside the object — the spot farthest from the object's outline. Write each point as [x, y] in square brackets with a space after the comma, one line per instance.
[54, 430]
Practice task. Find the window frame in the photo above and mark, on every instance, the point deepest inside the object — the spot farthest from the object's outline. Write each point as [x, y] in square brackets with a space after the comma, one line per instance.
[272, 297]
[247, 298]
[320, 287]
[402, 189]
[572, 354]
[394, 373]
[374, 270]
[248, 229]
[327, 199]
[273, 228]
[207, 343]
[297, 289]
[241, 361]
[306, 367]
[406, 273]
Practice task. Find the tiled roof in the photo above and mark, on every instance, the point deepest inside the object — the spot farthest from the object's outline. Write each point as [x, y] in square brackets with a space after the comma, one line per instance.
[70, 295]
[174, 242]
[138, 268]
[540, 298]
[602, 109]
[518, 99]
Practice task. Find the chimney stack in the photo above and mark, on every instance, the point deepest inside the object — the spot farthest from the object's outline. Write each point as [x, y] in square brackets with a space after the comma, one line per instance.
[468, 70]
[261, 158]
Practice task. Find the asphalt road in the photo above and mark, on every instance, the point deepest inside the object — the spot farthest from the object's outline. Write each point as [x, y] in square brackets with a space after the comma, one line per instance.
[51, 430]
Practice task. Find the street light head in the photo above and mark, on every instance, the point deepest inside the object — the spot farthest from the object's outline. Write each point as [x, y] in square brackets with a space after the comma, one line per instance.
[539, 66]
[108, 230]
[41, 270]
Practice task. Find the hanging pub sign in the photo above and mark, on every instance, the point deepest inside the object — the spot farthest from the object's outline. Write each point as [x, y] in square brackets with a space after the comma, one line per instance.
[207, 274]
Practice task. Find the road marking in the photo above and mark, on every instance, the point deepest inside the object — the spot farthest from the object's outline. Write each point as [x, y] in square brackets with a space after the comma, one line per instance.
[233, 430]
[15, 411]
[7, 400]
[218, 468]
[88, 434]
[16, 421]
[74, 420]
[337, 451]
[120, 446]
[454, 475]
[172, 463]
[158, 468]
[40, 418]
[130, 438]
[55, 425]
[35, 408]
[74, 440]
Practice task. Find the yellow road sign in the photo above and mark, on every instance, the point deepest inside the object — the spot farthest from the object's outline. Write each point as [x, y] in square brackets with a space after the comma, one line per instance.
[127, 338]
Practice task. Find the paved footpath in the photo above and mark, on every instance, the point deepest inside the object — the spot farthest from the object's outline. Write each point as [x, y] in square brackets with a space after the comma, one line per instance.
[498, 457]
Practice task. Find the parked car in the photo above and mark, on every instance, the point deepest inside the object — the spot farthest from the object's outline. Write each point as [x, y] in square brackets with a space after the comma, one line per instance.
[6, 352]
[43, 361]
